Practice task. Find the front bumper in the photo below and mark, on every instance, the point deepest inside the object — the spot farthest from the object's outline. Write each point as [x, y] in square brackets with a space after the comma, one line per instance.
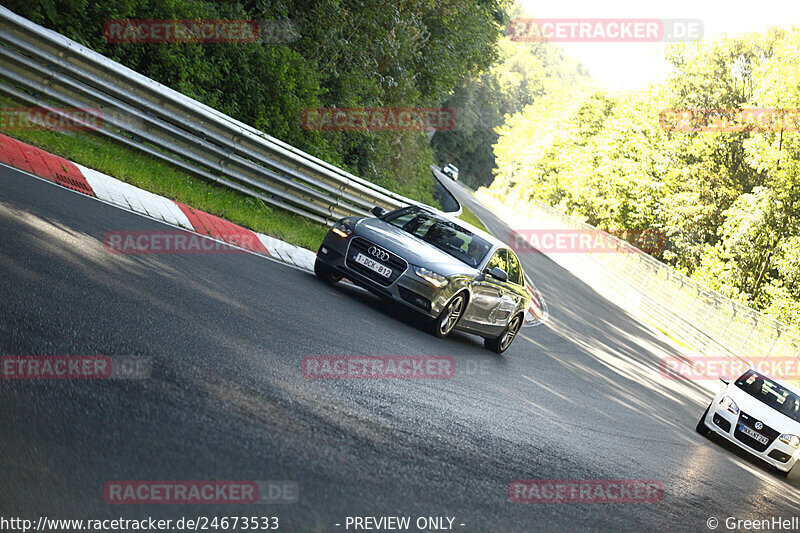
[724, 423]
[407, 289]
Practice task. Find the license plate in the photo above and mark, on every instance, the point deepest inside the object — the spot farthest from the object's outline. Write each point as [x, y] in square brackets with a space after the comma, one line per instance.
[753, 434]
[373, 265]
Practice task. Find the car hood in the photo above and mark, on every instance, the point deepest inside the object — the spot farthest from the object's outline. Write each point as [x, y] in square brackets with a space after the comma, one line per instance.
[411, 248]
[763, 412]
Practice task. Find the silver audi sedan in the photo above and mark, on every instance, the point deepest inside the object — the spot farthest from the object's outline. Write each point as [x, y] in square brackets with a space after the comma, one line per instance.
[456, 275]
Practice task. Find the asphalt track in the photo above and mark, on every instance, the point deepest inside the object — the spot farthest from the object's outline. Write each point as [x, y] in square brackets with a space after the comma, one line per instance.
[579, 397]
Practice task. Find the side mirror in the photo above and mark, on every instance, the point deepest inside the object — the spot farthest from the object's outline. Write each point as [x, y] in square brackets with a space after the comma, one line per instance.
[498, 273]
[378, 211]
[724, 380]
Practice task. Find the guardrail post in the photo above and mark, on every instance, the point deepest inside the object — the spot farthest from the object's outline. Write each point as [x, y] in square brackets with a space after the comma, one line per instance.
[747, 338]
[710, 309]
[733, 315]
[778, 333]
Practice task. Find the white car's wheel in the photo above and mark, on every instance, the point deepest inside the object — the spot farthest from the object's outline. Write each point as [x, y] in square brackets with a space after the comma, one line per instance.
[701, 426]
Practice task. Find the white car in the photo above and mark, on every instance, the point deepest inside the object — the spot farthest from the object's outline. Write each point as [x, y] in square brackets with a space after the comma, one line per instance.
[451, 170]
[759, 415]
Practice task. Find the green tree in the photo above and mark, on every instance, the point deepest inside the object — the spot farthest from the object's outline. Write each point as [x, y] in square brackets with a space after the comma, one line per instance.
[523, 73]
[728, 201]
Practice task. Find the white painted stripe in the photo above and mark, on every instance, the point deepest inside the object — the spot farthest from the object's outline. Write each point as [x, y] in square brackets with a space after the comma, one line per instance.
[302, 257]
[266, 240]
[146, 203]
[151, 204]
[287, 250]
[135, 203]
[133, 198]
[276, 248]
[172, 214]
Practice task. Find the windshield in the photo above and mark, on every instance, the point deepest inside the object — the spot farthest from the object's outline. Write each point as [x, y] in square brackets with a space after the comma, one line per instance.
[447, 236]
[770, 393]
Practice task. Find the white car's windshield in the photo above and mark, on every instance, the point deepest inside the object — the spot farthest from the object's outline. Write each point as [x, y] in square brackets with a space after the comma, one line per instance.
[770, 393]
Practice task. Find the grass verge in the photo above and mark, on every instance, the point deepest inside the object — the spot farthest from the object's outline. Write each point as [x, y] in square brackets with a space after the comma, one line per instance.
[160, 178]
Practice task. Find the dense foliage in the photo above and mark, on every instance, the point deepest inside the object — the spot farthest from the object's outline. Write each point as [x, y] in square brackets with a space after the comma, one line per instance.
[727, 201]
[523, 74]
[335, 53]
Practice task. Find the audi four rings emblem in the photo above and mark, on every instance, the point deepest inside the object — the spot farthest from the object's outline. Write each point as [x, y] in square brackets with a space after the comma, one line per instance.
[377, 252]
[759, 425]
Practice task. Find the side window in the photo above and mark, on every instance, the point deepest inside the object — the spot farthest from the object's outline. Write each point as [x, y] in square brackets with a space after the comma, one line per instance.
[499, 259]
[514, 269]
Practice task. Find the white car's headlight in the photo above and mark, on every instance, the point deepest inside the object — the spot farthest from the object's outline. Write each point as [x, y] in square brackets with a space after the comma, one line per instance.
[791, 440]
[728, 403]
[341, 230]
[437, 280]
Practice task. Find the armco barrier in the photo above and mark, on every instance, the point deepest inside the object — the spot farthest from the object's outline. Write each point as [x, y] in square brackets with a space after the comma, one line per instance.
[693, 314]
[45, 69]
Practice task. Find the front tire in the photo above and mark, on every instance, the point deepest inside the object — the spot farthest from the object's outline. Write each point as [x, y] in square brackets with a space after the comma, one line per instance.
[449, 316]
[502, 342]
[701, 428]
[325, 273]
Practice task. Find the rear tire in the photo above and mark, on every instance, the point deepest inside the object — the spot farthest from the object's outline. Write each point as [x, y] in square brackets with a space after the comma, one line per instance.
[325, 273]
[449, 317]
[502, 342]
[701, 428]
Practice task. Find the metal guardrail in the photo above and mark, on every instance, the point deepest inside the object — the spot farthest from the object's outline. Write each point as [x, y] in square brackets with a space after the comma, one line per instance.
[694, 314]
[43, 68]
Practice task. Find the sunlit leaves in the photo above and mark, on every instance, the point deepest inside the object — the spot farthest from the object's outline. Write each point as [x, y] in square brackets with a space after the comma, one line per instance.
[728, 203]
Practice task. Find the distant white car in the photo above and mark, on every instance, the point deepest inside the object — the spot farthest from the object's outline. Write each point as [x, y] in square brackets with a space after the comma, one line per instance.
[759, 415]
[451, 170]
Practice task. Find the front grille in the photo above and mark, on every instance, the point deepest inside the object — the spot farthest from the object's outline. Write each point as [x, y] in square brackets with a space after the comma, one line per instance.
[750, 422]
[779, 456]
[361, 245]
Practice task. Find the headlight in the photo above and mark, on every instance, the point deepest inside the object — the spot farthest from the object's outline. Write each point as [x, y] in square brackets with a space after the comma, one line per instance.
[791, 440]
[437, 280]
[341, 230]
[728, 403]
